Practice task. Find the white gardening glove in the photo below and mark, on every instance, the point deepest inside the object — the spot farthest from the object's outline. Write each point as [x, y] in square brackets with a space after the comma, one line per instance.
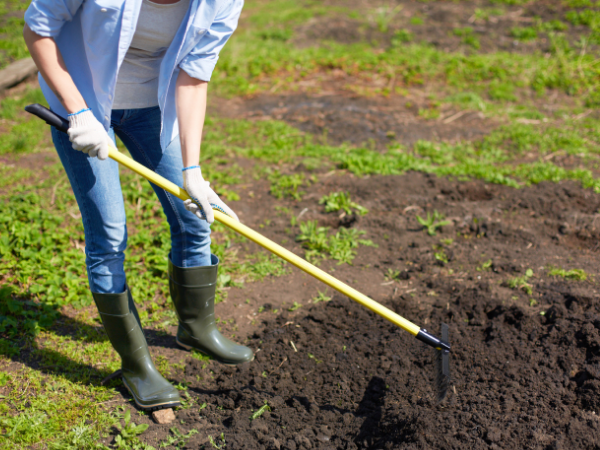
[204, 198]
[88, 135]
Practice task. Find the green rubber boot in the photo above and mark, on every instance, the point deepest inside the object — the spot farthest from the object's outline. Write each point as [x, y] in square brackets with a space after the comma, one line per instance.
[122, 324]
[193, 293]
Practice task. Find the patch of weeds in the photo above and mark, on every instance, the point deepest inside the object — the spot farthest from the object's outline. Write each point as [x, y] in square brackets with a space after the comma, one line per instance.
[260, 411]
[433, 222]
[470, 100]
[586, 17]
[502, 92]
[522, 282]
[275, 34]
[340, 246]
[416, 20]
[572, 274]
[200, 356]
[266, 264]
[178, 439]
[485, 14]
[286, 186]
[578, 3]
[551, 25]
[431, 112]
[23, 318]
[321, 297]
[467, 37]
[524, 33]
[129, 432]
[401, 37]
[337, 201]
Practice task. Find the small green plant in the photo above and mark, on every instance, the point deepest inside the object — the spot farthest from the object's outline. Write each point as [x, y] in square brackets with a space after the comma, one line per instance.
[486, 265]
[522, 282]
[572, 274]
[341, 201]
[178, 439]
[392, 274]
[295, 306]
[467, 36]
[215, 444]
[321, 297]
[311, 356]
[433, 222]
[441, 256]
[129, 432]
[260, 411]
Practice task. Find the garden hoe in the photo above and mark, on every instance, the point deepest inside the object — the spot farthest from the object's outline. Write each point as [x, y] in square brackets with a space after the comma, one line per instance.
[441, 346]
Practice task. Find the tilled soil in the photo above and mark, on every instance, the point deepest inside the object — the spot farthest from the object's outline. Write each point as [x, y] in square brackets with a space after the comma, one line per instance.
[525, 367]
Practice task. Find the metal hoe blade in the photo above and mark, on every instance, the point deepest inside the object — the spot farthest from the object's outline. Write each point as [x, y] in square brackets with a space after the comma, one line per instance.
[442, 359]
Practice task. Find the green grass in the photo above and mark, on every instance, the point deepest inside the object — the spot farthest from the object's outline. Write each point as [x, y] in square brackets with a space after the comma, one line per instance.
[12, 46]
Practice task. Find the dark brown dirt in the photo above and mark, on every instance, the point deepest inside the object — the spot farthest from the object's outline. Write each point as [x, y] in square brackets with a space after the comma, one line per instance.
[358, 120]
[526, 368]
[439, 19]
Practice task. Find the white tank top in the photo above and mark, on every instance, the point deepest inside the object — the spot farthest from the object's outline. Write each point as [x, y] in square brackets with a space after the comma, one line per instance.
[137, 82]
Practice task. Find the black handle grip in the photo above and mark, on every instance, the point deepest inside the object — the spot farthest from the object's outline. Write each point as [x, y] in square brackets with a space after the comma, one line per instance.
[60, 123]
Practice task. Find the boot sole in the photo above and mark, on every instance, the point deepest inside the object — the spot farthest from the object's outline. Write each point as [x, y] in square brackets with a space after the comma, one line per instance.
[189, 348]
[154, 407]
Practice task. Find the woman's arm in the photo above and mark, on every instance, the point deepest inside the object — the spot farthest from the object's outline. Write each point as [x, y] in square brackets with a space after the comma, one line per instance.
[190, 100]
[49, 61]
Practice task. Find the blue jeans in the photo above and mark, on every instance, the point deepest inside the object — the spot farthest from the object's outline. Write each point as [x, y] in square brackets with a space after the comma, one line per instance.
[98, 192]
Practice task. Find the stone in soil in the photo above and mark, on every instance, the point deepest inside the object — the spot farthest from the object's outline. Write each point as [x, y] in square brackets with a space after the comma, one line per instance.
[163, 416]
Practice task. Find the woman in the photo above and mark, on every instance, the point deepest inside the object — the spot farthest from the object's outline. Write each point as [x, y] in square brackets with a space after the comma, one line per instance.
[138, 69]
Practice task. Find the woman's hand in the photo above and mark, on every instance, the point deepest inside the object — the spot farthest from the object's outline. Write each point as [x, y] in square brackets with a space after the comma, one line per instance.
[88, 135]
[203, 198]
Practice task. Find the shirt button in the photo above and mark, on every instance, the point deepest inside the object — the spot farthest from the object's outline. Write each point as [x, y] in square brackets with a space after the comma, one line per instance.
[103, 10]
[201, 31]
[105, 117]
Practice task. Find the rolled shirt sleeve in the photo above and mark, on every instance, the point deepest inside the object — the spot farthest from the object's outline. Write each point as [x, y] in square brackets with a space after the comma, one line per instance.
[46, 17]
[201, 61]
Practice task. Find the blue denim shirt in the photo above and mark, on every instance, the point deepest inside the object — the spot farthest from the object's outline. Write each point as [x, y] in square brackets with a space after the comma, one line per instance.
[94, 35]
